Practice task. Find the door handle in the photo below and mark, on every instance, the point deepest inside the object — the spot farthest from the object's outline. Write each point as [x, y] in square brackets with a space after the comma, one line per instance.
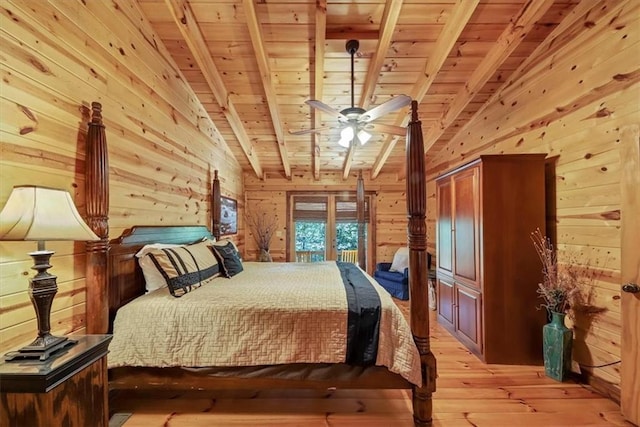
[632, 288]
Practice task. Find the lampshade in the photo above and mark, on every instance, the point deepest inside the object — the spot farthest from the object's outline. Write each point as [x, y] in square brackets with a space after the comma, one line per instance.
[40, 213]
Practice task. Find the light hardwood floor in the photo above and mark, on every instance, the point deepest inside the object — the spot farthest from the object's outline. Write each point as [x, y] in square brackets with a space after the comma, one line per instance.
[469, 393]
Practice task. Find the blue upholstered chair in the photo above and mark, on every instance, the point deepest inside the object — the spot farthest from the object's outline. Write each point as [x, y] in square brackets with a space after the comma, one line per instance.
[395, 282]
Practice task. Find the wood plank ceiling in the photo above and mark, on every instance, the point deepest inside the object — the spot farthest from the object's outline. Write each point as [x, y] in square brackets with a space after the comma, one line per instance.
[254, 63]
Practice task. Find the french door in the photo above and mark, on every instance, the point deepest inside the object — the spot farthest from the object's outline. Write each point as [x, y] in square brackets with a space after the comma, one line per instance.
[324, 226]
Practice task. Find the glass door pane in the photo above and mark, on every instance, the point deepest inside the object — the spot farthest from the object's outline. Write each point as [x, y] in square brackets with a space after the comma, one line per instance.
[310, 241]
[346, 236]
[310, 216]
[346, 227]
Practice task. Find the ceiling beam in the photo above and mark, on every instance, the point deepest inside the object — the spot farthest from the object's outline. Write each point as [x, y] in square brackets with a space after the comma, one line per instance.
[267, 84]
[387, 146]
[348, 33]
[318, 81]
[387, 27]
[510, 38]
[460, 15]
[186, 22]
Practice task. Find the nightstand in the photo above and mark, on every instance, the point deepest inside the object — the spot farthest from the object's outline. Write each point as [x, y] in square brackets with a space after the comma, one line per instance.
[68, 389]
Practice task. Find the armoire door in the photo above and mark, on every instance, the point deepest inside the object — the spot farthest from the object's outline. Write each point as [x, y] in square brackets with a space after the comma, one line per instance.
[444, 248]
[468, 311]
[446, 303]
[465, 225]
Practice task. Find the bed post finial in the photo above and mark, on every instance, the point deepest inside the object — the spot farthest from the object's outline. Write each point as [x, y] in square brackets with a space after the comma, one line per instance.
[215, 206]
[97, 202]
[96, 113]
[414, 111]
[418, 268]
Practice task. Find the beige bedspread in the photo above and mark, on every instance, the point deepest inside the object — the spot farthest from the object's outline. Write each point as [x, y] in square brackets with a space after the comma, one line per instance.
[269, 314]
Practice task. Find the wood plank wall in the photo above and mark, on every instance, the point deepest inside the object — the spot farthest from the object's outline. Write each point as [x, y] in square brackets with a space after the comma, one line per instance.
[58, 57]
[571, 103]
[391, 211]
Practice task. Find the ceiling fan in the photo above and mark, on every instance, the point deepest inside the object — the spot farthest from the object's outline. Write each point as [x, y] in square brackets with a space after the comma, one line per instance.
[355, 122]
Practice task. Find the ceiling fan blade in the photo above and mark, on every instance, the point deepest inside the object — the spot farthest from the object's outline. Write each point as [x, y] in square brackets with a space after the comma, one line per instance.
[308, 131]
[329, 110]
[395, 103]
[382, 128]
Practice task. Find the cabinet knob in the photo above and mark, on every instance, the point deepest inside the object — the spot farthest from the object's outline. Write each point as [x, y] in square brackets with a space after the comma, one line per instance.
[632, 288]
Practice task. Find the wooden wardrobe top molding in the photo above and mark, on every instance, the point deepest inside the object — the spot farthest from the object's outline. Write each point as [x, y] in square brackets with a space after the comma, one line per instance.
[492, 158]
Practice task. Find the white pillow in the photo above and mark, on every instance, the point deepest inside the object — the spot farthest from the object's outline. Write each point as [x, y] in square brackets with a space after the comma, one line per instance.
[400, 260]
[152, 277]
[153, 246]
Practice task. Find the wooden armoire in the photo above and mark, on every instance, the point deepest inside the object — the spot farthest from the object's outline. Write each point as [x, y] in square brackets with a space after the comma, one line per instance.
[487, 268]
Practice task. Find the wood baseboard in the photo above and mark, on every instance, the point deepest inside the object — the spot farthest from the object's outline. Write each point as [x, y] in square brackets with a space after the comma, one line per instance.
[603, 387]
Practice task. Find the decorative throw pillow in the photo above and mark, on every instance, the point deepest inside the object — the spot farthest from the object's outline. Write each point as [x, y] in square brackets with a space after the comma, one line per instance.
[225, 242]
[228, 257]
[185, 268]
[400, 260]
[152, 277]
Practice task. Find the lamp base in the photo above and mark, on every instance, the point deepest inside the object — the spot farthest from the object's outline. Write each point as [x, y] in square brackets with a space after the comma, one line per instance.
[41, 348]
[42, 289]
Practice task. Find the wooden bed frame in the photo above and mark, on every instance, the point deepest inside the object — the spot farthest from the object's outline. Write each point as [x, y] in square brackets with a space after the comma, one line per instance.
[114, 278]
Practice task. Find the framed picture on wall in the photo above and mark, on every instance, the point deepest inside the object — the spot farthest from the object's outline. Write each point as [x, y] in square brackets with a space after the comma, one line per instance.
[228, 216]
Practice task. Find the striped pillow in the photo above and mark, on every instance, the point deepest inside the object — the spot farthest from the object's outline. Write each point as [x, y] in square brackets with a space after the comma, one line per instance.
[185, 268]
[153, 279]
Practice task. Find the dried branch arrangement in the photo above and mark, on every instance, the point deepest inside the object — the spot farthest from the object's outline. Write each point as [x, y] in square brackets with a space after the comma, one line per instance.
[263, 226]
[559, 285]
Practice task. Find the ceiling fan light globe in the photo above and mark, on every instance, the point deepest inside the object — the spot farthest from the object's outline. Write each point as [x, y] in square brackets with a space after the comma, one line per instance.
[364, 136]
[347, 133]
[346, 136]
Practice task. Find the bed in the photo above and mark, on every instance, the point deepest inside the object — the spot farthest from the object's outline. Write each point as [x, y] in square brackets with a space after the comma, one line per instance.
[118, 284]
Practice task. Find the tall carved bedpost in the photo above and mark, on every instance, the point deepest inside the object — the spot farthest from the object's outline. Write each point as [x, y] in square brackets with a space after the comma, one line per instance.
[362, 248]
[418, 268]
[215, 206]
[97, 201]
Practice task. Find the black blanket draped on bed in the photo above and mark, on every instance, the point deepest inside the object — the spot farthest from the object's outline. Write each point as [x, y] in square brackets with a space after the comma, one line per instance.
[363, 323]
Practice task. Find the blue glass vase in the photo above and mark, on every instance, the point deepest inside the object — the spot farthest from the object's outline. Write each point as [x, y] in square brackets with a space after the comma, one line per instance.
[556, 341]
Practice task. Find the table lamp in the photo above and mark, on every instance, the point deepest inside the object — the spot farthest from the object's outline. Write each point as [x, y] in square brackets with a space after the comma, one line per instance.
[40, 214]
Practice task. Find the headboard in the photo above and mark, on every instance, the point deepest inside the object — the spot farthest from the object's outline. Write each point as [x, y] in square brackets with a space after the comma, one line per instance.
[125, 279]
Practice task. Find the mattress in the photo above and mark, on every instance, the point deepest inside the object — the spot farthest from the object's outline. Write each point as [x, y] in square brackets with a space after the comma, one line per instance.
[269, 314]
